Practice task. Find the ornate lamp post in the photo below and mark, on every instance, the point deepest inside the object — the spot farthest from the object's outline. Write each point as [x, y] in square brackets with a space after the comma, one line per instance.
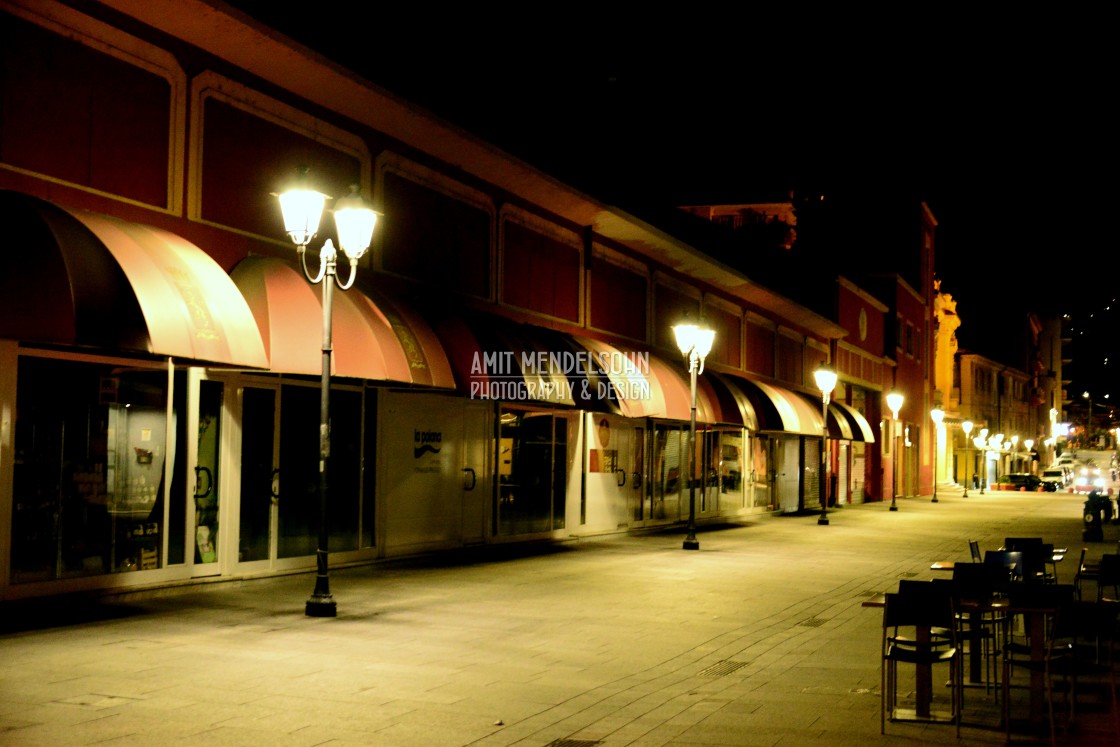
[1029, 445]
[982, 445]
[938, 415]
[1014, 452]
[695, 342]
[825, 377]
[966, 426]
[354, 219]
[894, 401]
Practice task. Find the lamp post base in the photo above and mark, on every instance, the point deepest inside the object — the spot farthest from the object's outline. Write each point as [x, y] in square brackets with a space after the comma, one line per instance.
[935, 500]
[320, 606]
[894, 507]
[691, 543]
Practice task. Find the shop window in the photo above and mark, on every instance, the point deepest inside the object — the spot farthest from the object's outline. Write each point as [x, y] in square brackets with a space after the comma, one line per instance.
[88, 487]
[532, 472]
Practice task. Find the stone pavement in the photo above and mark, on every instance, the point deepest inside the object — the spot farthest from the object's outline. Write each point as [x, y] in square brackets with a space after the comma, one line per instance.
[759, 638]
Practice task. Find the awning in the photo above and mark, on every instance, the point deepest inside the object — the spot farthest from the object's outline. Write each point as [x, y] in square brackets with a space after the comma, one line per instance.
[844, 421]
[735, 407]
[838, 425]
[648, 386]
[376, 341]
[496, 358]
[861, 428]
[778, 410]
[91, 280]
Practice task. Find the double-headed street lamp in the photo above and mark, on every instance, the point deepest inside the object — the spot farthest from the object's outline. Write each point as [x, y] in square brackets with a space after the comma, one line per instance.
[695, 342]
[825, 377]
[354, 220]
[894, 401]
[938, 416]
[966, 426]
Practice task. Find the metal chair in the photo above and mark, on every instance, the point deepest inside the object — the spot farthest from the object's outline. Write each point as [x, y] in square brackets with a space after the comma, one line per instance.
[979, 626]
[1079, 648]
[974, 548]
[1085, 572]
[1032, 608]
[908, 619]
[1108, 574]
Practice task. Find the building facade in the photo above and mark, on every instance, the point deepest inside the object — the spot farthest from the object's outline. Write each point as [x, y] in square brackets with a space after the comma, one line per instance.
[503, 369]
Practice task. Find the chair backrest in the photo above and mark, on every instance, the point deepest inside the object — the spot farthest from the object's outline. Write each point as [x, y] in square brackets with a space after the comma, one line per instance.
[1087, 622]
[974, 549]
[1051, 597]
[1035, 559]
[976, 582]
[929, 607]
[1108, 574]
[1010, 561]
[1021, 543]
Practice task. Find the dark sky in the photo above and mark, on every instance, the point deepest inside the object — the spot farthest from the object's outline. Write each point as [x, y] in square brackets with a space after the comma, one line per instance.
[1000, 121]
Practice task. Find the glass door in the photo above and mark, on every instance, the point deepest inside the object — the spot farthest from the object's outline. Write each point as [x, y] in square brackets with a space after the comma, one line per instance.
[278, 519]
[260, 475]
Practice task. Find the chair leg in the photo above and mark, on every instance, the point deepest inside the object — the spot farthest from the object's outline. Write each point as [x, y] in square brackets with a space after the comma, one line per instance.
[883, 697]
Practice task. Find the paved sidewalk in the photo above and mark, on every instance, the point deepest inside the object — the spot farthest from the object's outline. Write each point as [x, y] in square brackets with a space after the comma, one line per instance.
[757, 639]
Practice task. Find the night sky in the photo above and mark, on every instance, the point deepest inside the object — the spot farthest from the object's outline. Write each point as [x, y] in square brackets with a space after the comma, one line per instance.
[1000, 122]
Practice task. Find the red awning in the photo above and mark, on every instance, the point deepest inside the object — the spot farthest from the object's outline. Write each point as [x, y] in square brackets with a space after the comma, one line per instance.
[651, 387]
[91, 280]
[378, 341]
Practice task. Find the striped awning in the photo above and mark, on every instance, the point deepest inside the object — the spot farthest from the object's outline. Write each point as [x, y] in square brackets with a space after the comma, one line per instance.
[90, 280]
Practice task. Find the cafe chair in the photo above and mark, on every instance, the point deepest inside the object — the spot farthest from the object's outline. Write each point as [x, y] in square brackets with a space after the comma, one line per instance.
[1080, 657]
[981, 626]
[1032, 609]
[1085, 572]
[974, 549]
[908, 619]
[1108, 576]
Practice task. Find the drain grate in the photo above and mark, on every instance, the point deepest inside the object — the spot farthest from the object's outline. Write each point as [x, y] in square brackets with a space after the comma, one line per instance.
[812, 622]
[721, 668]
[574, 743]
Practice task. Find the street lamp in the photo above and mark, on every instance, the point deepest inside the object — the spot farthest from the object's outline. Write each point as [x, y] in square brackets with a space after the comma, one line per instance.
[1015, 451]
[938, 415]
[826, 382]
[982, 443]
[354, 220]
[695, 342]
[1028, 445]
[966, 426]
[894, 402]
[1089, 427]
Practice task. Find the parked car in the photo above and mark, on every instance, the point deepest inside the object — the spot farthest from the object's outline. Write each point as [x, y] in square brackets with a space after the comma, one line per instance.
[1021, 480]
[1053, 479]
